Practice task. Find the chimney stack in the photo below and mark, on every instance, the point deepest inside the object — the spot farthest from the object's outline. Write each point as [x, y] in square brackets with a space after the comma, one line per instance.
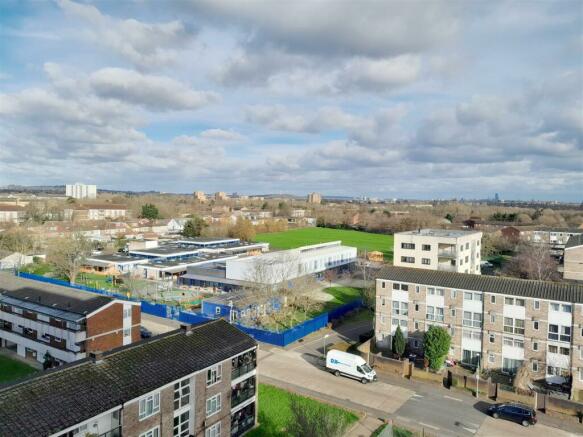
[96, 356]
[186, 328]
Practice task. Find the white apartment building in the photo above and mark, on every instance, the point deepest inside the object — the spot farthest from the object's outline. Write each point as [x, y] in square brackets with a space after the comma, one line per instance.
[439, 249]
[81, 191]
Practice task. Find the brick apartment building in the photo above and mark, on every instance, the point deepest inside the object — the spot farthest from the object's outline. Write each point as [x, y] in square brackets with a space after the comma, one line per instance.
[573, 260]
[498, 323]
[36, 318]
[195, 381]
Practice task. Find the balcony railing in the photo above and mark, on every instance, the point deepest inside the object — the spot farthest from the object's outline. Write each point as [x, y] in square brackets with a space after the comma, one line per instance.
[243, 369]
[446, 253]
[238, 428]
[116, 432]
[240, 396]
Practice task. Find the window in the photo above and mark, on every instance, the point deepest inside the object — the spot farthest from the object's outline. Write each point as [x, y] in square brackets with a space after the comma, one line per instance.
[383, 301]
[519, 302]
[536, 304]
[149, 405]
[453, 294]
[513, 326]
[535, 345]
[508, 341]
[431, 291]
[213, 431]
[416, 326]
[394, 322]
[383, 284]
[425, 261]
[400, 308]
[127, 332]
[426, 247]
[535, 366]
[492, 338]
[491, 358]
[404, 287]
[127, 312]
[553, 349]
[508, 301]
[417, 288]
[404, 324]
[218, 310]
[213, 405]
[468, 296]
[559, 332]
[492, 298]
[566, 308]
[453, 312]
[435, 313]
[154, 432]
[181, 393]
[555, 306]
[396, 286]
[440, 292]
[472, 320]
[467, 246]
[408, 259]
[408, 246]
[416, 307]
[535, 325]
[564, 351]
[492, 318]
[511, 366]
[182, 424]
[213, 375]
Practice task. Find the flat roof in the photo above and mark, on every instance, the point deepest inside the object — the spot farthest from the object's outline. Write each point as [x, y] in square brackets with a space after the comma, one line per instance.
[119, 259]
[49, 298]
[202, 258]
[557, 291]
[165, 251]
[57, 399]
[208, 240]
[445, 233]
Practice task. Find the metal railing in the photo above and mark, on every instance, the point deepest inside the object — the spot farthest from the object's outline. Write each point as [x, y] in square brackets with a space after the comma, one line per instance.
[242, 396]
[240, 427]
[243, 369]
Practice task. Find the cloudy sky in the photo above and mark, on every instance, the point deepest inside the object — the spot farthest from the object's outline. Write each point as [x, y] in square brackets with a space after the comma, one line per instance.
[412, 99]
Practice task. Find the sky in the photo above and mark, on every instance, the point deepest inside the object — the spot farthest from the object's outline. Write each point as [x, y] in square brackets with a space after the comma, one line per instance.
[389, 99]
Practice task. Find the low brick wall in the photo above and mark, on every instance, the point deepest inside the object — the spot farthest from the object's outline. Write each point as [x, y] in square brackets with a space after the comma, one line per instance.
[563, 406]
[510, 396]
[427, 376]
[389, 365]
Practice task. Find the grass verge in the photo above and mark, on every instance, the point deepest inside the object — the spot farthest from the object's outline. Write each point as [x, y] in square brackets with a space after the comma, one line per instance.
[11, 369]
[275, 413]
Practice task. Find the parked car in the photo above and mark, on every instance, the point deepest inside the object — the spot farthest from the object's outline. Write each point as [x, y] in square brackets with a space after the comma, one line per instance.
[353, 366]
[526, 416]
[145, 333]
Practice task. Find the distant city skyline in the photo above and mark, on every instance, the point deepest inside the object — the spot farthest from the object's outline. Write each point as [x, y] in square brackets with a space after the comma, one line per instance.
[420, 100]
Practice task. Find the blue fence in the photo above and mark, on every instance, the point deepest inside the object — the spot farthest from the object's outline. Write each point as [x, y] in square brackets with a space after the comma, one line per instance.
[282, 338]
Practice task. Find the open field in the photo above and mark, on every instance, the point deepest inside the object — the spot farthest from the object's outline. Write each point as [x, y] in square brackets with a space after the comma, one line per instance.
[11, 369]
[305, 236]
[275, 413]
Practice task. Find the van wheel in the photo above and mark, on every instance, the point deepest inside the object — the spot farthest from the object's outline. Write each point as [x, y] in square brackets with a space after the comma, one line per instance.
[495, 415]
[336, 373]
[525, 423]
[363, 380]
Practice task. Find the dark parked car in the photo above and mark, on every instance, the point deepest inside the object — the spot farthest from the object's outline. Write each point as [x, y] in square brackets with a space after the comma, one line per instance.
[144, 333]
[517, 413]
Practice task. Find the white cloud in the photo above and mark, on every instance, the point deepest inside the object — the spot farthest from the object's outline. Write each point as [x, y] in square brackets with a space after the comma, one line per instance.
[156, 93]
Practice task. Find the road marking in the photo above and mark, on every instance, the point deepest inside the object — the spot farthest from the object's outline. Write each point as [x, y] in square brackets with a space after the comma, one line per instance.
[429, 426]
[472, 430]
[453, 399]
[415, 395]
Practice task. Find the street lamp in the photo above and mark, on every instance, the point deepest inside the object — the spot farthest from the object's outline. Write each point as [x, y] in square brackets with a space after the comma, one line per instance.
[325, 337]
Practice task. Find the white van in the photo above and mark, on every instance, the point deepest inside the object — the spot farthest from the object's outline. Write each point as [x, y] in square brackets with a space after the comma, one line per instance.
[353, 366]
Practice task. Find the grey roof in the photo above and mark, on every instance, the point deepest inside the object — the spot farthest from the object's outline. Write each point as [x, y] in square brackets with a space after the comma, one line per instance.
[565, 292]
[446, 233]
[48, 298]
[167, 250]
[574, 241]
[115, 258]
[68, 395]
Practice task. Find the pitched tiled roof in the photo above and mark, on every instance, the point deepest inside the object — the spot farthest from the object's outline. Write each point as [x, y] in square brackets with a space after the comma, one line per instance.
[66, 396]
[494, 284]
[574, 241]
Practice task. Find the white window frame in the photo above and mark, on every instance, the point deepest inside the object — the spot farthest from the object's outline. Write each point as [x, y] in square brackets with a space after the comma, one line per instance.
[183, 391]
[214, 375]
[536, 304]
[213, 405]
[154, 432]
[213, 430]
[143, 403]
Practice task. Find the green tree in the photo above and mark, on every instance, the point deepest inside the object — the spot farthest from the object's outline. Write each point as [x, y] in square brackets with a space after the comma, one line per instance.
[194, 227]
[436, 346]
[149, 211]
[399, 343]
[449, 216]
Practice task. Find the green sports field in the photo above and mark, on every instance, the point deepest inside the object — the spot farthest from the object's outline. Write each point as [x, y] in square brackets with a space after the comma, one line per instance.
[305, 236]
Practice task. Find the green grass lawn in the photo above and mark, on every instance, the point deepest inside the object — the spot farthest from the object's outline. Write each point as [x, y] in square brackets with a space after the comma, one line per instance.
[306, 236]
[342, 295]
[11, 369]
[275, 413]
[38, 269]
[397, 432]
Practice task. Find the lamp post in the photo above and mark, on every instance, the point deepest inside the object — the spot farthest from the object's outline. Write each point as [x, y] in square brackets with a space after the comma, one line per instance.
[325, 337]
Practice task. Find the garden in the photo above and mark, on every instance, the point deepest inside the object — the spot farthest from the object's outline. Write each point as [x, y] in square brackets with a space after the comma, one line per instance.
[11, 369]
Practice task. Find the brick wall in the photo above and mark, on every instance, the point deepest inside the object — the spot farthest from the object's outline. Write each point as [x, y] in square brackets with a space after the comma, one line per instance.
[107, 328]
[133, 426]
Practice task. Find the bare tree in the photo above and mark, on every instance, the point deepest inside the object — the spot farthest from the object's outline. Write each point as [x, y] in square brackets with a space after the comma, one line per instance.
[533, 261]
[19, 241]
[68, 254]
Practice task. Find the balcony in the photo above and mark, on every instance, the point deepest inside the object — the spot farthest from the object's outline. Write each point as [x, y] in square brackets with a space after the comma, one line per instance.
[243, 364]
[116, 432]
[241, 395]
[447, 253]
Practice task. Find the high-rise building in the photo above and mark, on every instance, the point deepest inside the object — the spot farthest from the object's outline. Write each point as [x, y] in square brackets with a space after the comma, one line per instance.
[496, 198]
[81, 191]
[200, 196]
[221, 195]
[314, 198]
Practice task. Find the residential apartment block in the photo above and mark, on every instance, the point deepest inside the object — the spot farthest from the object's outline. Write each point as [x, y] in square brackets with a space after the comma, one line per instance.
[196, 381]
[573, 260]
[81, 191]
[314, 198]
[439, 249]
[36, 318]
[95, 212]
[497, 323]
[11, 213]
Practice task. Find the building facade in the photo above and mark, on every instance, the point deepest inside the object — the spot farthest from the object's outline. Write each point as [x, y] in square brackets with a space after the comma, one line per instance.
[196, 381]
[314, 198]
[200, 196]
[11, 213]
[573, 259]
[496, 323]
[36, 318]
[439, 249]
[221, 196]
[81, 191]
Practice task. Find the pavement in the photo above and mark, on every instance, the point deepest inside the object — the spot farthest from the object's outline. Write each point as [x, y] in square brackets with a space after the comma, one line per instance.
[158, 325]
[414, 404]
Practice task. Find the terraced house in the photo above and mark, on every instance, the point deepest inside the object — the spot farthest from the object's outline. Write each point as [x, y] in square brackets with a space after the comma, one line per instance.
[195, 381]
[497, 323]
